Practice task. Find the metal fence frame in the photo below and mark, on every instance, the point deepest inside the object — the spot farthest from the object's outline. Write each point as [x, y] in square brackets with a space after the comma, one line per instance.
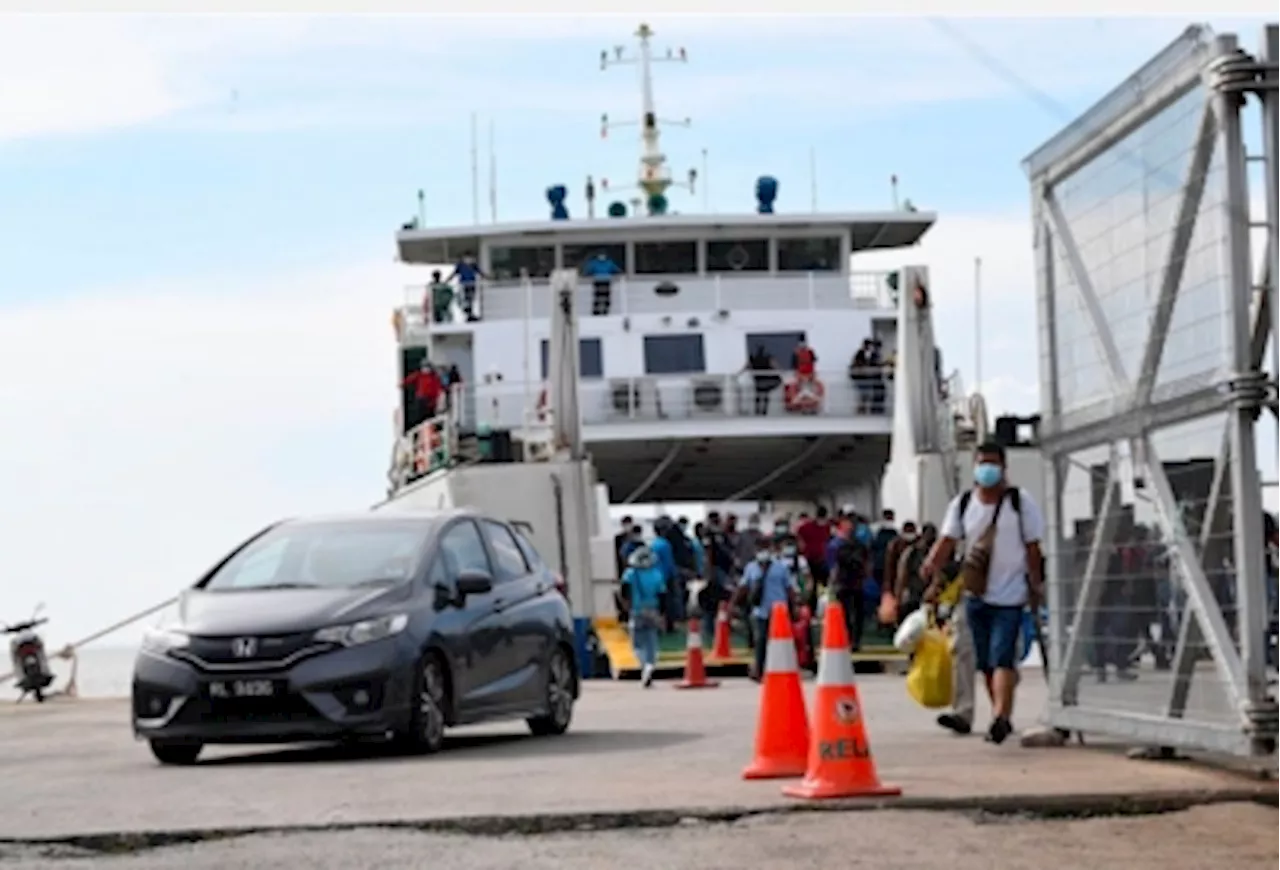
[1228, 75]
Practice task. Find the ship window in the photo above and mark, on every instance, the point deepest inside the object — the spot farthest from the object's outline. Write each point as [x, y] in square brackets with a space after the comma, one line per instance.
[506, 264]
[674, 354]
[590, 358]
[809, 255]
[666, 258]
[744, 255]
[779, 345]
[576, 255]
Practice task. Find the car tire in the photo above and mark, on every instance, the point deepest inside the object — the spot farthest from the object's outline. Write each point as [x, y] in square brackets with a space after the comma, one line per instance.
[559, 697]
[427, 722]
[176, 752]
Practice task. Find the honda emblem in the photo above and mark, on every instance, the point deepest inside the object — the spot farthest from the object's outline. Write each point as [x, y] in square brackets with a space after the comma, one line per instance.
[244, 647]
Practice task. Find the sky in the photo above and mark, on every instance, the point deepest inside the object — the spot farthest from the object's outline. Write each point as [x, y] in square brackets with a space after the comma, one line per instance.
[197, 218]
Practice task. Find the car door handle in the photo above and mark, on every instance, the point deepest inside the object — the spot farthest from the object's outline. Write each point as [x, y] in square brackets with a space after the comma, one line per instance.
[498, 604]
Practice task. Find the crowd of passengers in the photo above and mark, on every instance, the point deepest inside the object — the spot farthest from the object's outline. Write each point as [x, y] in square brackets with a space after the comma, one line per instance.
[980, 572]
[847, 556]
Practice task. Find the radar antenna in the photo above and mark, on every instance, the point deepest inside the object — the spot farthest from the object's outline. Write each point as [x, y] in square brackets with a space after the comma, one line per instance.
[655, 176]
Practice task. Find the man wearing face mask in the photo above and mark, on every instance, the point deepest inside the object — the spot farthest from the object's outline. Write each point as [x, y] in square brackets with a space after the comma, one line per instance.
[897, 577]
[1003, 573]
[765, 582]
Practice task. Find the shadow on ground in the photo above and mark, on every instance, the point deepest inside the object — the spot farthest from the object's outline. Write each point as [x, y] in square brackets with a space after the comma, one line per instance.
[501, 745]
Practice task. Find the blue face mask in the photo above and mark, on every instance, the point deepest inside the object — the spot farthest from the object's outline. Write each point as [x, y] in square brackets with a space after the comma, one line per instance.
[987, 474]
[862, 533]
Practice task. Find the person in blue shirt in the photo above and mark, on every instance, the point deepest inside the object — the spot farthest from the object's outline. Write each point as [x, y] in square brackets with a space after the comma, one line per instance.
[468, 272]
[661, 549]
[647, 583]
[600, 269]
[765, 582]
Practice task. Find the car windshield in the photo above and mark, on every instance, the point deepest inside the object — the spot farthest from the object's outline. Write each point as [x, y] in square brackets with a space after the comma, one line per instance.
[326, 555]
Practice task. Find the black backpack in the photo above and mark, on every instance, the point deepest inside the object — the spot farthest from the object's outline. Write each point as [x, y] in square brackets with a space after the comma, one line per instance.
[681, 549]
[1013, 495]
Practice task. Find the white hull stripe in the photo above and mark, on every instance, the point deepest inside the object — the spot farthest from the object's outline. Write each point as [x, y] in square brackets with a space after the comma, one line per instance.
[780, 657]
[835, 668]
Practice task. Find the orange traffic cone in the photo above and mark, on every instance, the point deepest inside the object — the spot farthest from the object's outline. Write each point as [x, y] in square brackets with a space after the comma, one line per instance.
[722, 648]
[782, 731]
[695, 671]
[840, 762]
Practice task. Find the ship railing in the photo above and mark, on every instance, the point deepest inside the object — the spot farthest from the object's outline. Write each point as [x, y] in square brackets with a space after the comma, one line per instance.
[513, 405]
[427, 447]
[708, 295]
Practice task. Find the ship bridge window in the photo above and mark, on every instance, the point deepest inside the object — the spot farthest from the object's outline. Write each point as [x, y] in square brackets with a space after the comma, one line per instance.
[506, 264]
[779, 345]
[745, 255]
[674, 354]
[809, 255]
[666, 258]
[590, 358]
[576, 255]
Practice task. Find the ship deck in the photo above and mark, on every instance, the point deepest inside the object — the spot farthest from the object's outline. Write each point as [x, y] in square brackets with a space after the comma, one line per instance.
[731, 468]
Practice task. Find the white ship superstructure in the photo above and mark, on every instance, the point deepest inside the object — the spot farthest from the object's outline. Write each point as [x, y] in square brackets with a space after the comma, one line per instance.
[670, 410]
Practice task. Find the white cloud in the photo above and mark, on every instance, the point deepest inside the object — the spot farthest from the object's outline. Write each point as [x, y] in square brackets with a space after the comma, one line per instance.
[80, 74]
[1010, 364]
[148, 430]
[67, 74]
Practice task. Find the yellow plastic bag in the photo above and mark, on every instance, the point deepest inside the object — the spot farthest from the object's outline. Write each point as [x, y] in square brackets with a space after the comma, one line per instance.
[929, 678]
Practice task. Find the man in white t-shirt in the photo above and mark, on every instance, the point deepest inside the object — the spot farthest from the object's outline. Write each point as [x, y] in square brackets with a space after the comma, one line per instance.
[1015, 575]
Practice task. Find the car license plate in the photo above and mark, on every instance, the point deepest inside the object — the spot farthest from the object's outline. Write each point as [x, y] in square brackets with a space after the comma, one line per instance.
[220, 689]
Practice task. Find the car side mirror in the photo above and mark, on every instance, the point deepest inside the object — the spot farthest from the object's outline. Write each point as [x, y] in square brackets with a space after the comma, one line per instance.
[474, 583]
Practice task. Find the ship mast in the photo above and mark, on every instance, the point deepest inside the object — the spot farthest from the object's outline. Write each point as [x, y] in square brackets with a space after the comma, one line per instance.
[654, 173]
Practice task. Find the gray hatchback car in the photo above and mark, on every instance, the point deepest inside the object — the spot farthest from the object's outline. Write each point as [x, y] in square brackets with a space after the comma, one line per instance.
[384, 626]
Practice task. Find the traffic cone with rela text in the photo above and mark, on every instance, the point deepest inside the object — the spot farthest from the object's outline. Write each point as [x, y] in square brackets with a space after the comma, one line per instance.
[782, 730]
[695, 671]
[722, 649]
[840, 762]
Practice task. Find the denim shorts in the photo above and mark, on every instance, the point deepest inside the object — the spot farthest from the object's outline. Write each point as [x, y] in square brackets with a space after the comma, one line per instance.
[995, 631]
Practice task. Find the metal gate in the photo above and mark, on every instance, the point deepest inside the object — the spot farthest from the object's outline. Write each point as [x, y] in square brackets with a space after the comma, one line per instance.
[1153, 332]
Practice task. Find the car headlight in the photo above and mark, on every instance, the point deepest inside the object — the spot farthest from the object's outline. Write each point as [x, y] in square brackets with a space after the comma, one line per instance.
[161, 640]
[364, 631]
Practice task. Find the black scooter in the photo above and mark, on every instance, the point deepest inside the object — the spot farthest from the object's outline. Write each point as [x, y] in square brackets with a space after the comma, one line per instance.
[31, 671]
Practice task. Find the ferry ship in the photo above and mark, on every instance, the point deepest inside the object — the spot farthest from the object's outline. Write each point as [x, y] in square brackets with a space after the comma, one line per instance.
[747, 356]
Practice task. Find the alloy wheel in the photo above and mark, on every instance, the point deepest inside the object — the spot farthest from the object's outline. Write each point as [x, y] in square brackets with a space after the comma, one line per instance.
[560, 689]
[431, 705]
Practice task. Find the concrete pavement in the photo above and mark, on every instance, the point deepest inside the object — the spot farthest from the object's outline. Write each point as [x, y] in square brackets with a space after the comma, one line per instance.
[72, 768]
[1241, 837]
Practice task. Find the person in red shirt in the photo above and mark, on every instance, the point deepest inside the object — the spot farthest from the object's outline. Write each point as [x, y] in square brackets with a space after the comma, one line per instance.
[804, 361]
[814, 535]
[427, 390]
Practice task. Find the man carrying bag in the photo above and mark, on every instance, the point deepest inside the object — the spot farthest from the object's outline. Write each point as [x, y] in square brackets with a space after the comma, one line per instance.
[1002, 574]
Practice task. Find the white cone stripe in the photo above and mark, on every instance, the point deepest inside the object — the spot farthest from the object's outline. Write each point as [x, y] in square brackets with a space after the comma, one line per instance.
[835, 668]
[780, 657]
[695, 641]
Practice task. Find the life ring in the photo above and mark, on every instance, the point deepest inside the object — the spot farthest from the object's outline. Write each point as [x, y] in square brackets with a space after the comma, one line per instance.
[804, 395]
[421, 454]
